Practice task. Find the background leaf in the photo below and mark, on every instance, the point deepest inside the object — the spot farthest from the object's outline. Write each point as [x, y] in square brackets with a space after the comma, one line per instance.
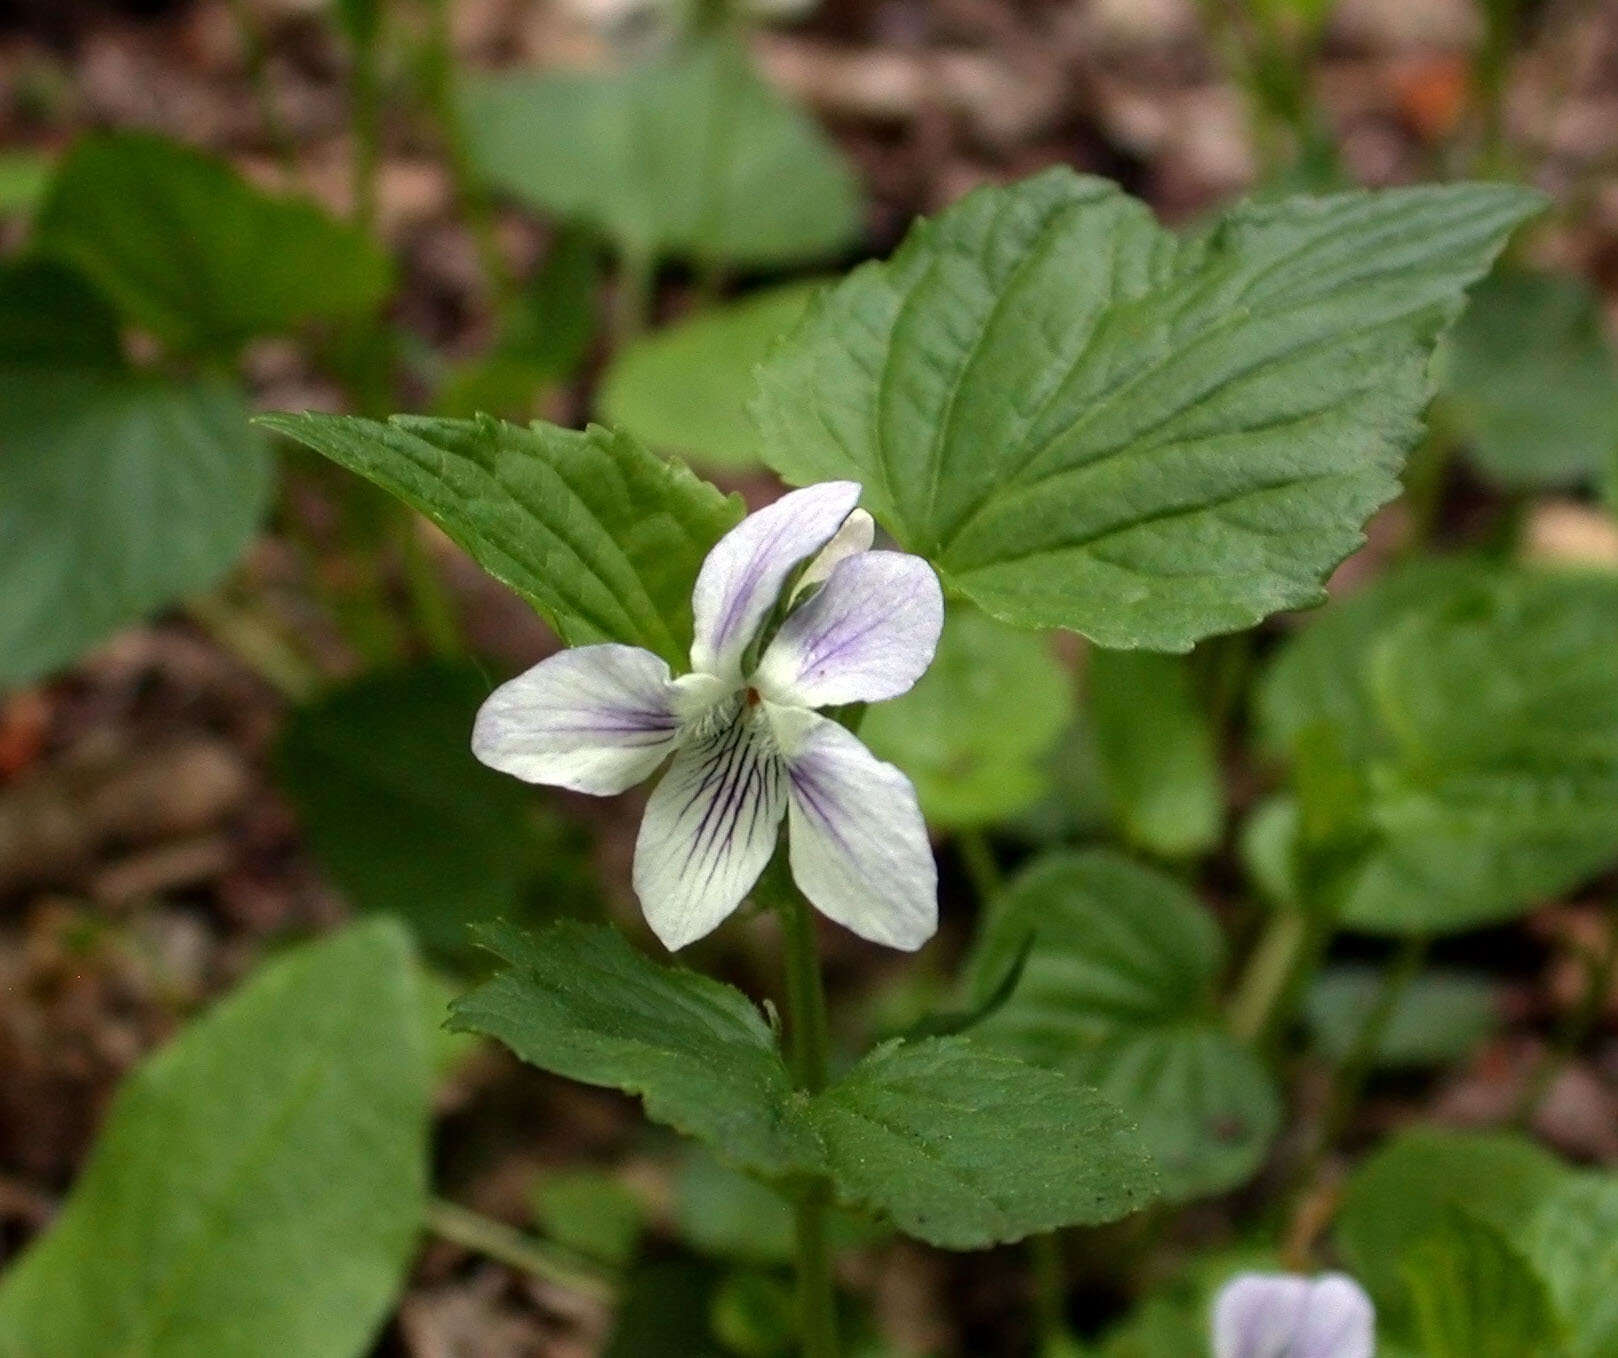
[1118, 991]
[194, 253]
[964, 1148]
[118, 495]
[692, 156]
[1088, 422]
[975, 733]
[1406, 1190]
[578, 1001]
[403, 817]
[1530, 379]
[1478, 711]
[685, 388]
[1155, 750]
[1442, 1015]
[259, 1183]
[1573, 1241]
[50, 313]
[599, 535]
[1475, 1296]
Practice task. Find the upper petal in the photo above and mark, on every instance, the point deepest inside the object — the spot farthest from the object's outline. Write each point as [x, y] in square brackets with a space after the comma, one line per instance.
[1259, 1315]
[857, 842]
[855, 536]
[869, 634]
[710, 827]
[742, 577]
[595, 719]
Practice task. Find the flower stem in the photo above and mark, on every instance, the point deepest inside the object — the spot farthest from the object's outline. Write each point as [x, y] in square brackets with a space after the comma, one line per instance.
[808, 1049]
[516, 1249]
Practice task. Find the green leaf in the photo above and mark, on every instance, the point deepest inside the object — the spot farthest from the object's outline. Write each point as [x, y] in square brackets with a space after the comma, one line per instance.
[50, 313]
[601, 537]
[974, 733]
[1086, 421]
[118, 496]
[692, 156]
[1442, 1016]
[1573, 1242]
[965, 1148]
[1474, 1295]
[259, 1183]
[25, 177]
[579, 1002]
[402, 816]
[194, 253]
[1482, 722]
[1404, 1193]
[592, 1212]
[1530, 379]
[1119, 992]
[1155, 749]
[685, 388]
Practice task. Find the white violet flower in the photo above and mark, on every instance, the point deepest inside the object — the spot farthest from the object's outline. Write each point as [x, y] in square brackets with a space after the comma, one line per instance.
[1280, 1315]
[748, 746]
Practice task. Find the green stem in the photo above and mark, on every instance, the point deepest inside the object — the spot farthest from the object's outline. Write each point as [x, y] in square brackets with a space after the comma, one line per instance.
[366, 93]
[1348, 1080]
[516, 1249]
[1601, 971]
[1489, 72]
[632, 297]
[432, 609]
[256, 643]
[977, 857]
[1426, 478]
[1258, 1003]
[1050, 1289]
[474, 202]
[809, 1052]
[252, 40]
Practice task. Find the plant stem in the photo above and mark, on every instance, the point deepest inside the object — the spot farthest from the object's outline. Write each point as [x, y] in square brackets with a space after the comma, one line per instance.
[1601, 971]
[977, 857]
[252, 39]
[1258, 1004]
[432, 608]
[1050, 1289]
[366, 86]
[632, 297]
[258, 645]
[1348, 1080]
[517, 1249]
[809, 1052]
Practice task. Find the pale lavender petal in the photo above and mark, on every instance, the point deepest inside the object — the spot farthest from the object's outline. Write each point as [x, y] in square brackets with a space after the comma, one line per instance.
[868, 634]
[1340, 1321]
[742, 578]
[855, 536]
[856, 840]
[594, 719]
[710, 827]
[1260, 1315]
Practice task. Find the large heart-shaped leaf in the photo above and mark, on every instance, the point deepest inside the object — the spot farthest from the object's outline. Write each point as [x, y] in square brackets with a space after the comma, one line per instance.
[580, 1002]
[197, 255]
[965, 1148]
[1573, 1241]
[599, 535]
[259, 1183]
[118, 495]
[1086, 421]
[1118, 991]
[959, 1145]
[692, 155]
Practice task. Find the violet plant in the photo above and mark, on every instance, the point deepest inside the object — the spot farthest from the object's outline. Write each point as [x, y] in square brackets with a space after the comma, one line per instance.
[1065, 416]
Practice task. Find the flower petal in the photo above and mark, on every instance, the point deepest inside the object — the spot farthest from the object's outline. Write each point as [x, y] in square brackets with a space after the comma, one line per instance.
[857, 843]
[741, 580]
[1260, 1315]
[1340, 1321]
[855, 536]
[594, 719]
[869, 634]
[710, 827]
